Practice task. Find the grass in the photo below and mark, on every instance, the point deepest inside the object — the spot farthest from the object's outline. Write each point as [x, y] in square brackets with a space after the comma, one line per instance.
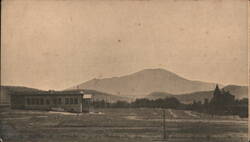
[143, 125]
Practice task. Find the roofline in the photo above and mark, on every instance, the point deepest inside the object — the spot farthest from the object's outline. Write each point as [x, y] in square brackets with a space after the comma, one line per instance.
[47, 95]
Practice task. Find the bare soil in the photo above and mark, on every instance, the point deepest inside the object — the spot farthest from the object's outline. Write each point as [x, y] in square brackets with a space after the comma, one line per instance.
[120, 125]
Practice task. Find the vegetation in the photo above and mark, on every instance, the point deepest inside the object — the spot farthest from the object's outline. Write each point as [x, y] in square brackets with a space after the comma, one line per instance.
[141, 103]
[119, 125]
[222, 103]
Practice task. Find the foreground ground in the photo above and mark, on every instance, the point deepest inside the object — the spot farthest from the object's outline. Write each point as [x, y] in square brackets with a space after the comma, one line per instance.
[123, 125]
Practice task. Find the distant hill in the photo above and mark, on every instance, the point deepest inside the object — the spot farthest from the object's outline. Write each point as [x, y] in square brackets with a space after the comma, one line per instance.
[197, 96]
[159, 95]
[238, 91]
[19, 89]
[105, 96]
[98, 96]
[184, 98]
[8, 90]
[144, 82]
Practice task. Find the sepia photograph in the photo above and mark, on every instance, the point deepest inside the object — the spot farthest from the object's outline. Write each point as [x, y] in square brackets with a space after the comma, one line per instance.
[124, 71]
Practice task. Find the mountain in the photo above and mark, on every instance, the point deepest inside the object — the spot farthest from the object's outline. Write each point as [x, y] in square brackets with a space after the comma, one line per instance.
[144, 82]
[238, 91]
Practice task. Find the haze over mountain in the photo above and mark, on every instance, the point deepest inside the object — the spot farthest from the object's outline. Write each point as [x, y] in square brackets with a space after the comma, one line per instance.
[142, 83]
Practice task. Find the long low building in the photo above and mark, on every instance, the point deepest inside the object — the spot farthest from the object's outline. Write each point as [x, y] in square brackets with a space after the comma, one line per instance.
[4, 97]
[72, 101]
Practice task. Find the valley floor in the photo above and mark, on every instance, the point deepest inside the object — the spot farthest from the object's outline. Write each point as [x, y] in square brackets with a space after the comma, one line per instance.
[123, 125]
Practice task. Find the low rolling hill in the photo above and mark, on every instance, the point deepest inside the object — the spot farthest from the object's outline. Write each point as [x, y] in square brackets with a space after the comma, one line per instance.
[97, 95]
[238, 91]
[19, 89]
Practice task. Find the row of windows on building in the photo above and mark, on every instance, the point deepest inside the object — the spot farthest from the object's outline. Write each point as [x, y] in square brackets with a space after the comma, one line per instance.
[56, 101]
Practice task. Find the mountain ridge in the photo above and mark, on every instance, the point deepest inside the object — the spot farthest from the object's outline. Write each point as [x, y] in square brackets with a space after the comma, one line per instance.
[143, 82]
[97, 95]
[238, 91]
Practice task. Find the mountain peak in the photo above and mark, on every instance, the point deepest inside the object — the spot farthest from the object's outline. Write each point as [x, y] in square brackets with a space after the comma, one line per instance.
[155, 70]
[146, 81]
[159, 71]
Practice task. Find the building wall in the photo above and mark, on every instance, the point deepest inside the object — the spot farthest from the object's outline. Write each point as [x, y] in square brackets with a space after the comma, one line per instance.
[72, 103]
[17, 102]
[4, 97]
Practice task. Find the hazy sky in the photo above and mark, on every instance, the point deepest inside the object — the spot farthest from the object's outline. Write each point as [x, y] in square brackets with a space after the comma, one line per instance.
[55, 44]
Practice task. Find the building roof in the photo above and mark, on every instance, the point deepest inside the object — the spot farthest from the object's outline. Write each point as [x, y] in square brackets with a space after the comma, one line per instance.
[48, 93]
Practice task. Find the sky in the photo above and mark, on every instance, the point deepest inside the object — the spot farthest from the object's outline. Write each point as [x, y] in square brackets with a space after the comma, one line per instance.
[56, 44]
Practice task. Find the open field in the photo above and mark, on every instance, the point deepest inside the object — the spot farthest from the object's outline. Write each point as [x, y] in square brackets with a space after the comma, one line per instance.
[123, 125]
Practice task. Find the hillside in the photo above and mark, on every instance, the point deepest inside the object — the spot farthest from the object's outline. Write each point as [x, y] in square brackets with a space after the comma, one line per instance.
[159, 95]
[184, 98]
[96, 94]
[19, 89]
[144, 82]
[238, 91]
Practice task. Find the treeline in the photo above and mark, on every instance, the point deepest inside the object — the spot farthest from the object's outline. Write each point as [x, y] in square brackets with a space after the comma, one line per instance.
[238, 107]
[138, 103]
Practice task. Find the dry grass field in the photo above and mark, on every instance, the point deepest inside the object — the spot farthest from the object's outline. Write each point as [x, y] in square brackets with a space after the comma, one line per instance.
[123, 125]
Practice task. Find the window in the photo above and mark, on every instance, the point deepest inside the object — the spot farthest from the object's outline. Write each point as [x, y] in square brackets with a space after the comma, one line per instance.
[47, 102]
[32, 101]
[41, 102]
[54, 101]
[59, 101]
[28, 101]
[75, 101]
[37, 101]
[71, 100]
[66, 101]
